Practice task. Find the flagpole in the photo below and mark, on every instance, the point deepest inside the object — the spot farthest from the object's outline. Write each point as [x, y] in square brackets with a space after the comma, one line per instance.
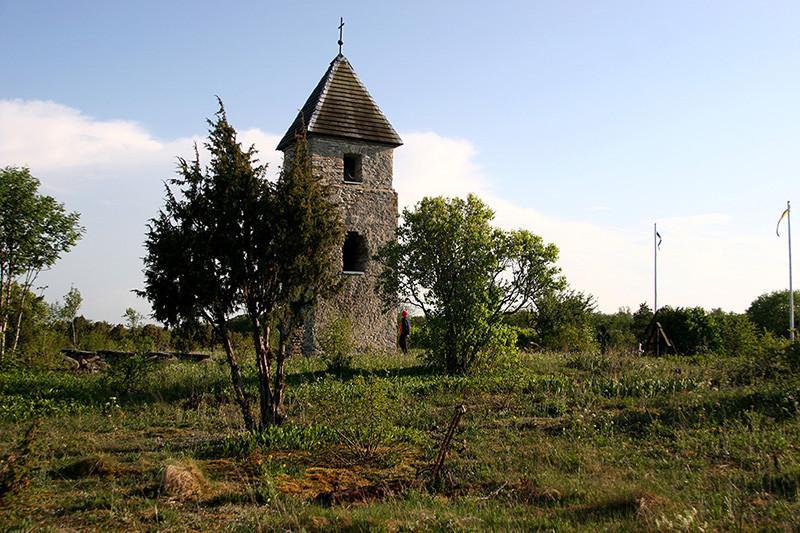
[791, 292]
[655, 268]
[655, 289]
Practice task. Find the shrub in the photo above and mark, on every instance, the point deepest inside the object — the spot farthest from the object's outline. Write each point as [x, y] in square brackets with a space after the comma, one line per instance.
[770, 311]
[563, 321]
[368, 422]
[620, 329]
[337, 345]
[128, 373]
[16, 466]
[732, 334]
[421, 333]
[689, 328]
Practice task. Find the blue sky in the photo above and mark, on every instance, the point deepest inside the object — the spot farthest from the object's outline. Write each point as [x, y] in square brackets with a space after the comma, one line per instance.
[583, 121]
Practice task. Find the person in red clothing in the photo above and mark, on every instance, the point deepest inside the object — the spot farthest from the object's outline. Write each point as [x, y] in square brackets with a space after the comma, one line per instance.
[405, 330]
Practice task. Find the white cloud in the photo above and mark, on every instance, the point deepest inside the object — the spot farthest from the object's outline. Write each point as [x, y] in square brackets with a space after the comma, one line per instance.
[52, 136]
[703, 261]
[112, 173]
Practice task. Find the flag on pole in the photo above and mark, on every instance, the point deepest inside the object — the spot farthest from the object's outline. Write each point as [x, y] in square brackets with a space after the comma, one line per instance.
[778, 226]
[659, 240]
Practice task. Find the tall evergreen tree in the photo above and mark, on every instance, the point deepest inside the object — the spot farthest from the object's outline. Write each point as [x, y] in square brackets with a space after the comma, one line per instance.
[289, 268]
[193, 265]
[308, 240]
[235, 240]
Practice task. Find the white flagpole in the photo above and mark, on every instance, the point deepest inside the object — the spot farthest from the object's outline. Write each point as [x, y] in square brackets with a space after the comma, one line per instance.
[655, 268]
[655, 288]
[791, 292]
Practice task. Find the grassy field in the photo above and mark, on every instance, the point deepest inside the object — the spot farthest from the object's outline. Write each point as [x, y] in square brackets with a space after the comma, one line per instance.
[552, 441]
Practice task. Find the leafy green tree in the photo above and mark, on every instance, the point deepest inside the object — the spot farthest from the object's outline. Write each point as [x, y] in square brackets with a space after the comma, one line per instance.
[689, 328]
[31, 316]
[770, 312]
[563, 320]
[34, 231]
[69, 311]
[464, 274]
[619, 328]
[641, 320]
[133, 318]
[193, 256]
[733, 333]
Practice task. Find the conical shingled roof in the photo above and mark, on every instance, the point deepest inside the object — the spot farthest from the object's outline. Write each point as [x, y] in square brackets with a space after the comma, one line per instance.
[340, 106]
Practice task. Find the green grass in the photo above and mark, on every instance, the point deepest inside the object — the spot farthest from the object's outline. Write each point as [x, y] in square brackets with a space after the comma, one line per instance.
[553, 441]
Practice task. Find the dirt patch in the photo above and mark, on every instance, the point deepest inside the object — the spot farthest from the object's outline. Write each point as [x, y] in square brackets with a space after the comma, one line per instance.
[368, 493]
[94, 466]
[318, 480]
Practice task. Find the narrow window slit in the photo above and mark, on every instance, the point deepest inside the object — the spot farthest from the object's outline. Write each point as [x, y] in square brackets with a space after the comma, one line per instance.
[355, 253]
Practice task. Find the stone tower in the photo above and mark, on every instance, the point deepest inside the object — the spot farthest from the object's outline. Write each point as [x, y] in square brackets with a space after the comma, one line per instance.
[352, 144]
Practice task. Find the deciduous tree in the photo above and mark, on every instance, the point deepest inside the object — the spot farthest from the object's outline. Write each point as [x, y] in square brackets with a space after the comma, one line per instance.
[35, 230]
[463, 274]
[770, 311]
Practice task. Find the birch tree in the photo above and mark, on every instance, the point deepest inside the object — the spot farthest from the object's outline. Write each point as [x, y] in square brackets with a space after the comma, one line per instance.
[35, 230]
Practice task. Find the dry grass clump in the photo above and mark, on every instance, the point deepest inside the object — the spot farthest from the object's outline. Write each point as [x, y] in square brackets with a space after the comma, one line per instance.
[184, 481]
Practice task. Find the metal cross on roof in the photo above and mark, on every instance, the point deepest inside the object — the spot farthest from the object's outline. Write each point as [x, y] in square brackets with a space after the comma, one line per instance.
[341, 25]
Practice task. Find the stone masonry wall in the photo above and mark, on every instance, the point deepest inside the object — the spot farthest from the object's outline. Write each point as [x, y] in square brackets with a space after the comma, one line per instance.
[369, 208]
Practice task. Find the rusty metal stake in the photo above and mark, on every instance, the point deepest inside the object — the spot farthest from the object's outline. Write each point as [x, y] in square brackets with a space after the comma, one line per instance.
[448, 437]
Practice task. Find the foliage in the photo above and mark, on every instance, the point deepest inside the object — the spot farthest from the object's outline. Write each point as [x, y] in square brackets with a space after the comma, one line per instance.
[770, 311]
[35, 230]
[133, 318]
[236, 241]
[195, 249]
[32, 324]
[421, 333]
[563, 320]
[689, 328]
[641, 320]
[575, 439]
[301, 261]
[366, 421]
[620, 328]
[337, 344]
[733, 333]
[128, 375]
[16, 466]
[283, 437]
[464, 274]
[67, 311]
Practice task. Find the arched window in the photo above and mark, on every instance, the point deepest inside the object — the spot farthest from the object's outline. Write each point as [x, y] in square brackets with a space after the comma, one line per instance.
[355, 253]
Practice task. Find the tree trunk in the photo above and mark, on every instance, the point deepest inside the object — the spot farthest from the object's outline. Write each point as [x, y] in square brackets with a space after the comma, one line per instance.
[279, 413]
[5, 301]
[263, 360]
[16, 331]
[2, 337]
[236, 379]
[29, 279]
